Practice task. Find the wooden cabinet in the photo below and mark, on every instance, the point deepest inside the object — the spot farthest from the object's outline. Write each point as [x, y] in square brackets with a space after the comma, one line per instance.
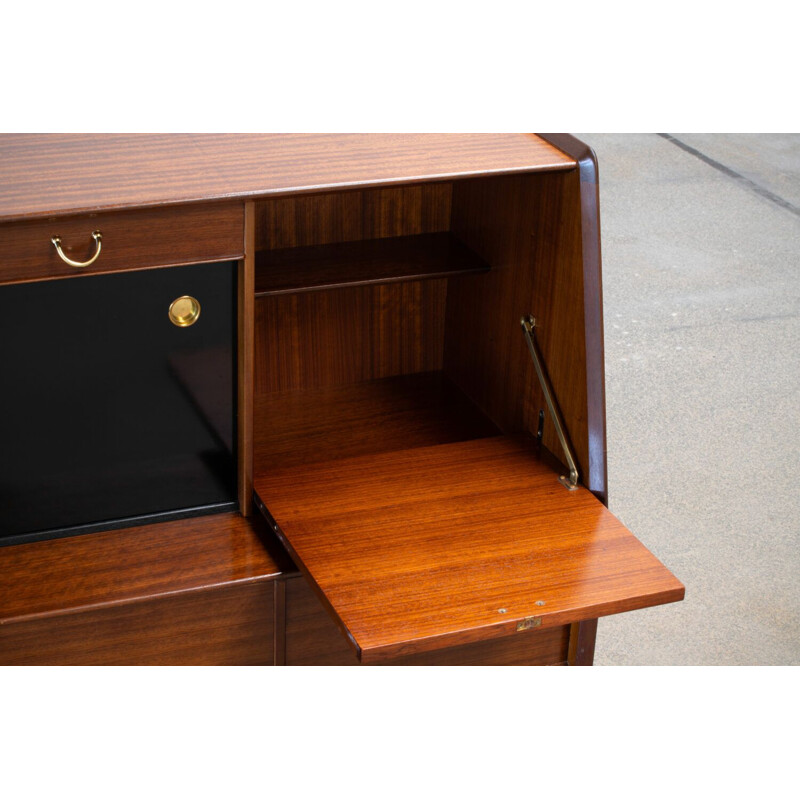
[392, 430]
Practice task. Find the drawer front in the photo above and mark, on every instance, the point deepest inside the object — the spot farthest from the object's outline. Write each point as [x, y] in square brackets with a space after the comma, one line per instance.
[154, 237]
[230, 625]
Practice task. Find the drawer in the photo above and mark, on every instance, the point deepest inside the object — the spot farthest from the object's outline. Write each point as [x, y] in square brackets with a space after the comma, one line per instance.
[190, 591]
[153, 237]
[226, 625]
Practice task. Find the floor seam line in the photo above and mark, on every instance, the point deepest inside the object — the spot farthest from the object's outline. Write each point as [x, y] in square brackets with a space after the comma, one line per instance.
[752, 185]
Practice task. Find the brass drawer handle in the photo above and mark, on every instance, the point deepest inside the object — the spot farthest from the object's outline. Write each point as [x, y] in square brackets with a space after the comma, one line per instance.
[96, 235]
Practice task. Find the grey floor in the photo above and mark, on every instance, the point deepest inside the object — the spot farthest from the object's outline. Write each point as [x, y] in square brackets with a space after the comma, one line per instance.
[701, 271]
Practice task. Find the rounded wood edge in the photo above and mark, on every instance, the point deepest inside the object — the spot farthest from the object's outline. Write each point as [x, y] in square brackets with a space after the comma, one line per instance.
[586, 159]
[579, 151]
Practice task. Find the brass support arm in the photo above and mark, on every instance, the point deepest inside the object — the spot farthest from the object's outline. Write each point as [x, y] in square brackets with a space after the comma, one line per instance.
[528, 324]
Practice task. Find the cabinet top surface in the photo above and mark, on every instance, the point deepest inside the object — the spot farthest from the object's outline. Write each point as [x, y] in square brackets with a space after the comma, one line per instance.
[55, 174]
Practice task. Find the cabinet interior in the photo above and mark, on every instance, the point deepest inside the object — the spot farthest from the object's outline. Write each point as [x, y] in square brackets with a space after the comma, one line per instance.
[397, 413]
[388, 318]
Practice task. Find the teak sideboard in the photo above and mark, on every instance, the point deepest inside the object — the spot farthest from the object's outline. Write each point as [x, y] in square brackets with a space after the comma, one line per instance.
[305, 399]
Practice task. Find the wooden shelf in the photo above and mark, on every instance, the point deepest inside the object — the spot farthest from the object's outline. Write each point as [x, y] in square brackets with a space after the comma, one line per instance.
[312, 426]
[433, 547]
[373, 261]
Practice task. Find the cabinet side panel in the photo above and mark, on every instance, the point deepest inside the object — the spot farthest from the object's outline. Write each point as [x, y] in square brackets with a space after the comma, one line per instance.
[230, 625]
[350, 216]
[528, 227]
[312, 637]
[593, 301]
[342, 336]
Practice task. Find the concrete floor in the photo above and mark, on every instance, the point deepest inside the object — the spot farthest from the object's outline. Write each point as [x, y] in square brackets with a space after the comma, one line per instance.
[701, 271]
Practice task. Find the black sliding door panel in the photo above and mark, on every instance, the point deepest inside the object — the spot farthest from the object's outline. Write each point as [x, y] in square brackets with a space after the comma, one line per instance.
[108, 409]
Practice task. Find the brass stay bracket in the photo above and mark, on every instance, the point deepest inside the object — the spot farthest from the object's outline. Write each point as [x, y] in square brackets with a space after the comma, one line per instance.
[528, 324]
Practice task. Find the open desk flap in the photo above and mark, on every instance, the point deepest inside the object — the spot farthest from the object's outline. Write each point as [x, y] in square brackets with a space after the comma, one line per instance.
[438, 546]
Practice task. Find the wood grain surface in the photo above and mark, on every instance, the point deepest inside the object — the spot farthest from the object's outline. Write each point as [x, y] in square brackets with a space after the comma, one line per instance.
[54, 174]
[225, 625]
[101, 569]
[582, 642]
[582, 639]
[333, 338]
[312, 638]
[308, 427]
[130, 240]
[400, 258]
[528, 228]
[421, 549]
[353, 215]
[585, 180]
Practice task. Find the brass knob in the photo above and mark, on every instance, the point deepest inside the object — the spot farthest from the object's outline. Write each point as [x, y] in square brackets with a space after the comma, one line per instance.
[96, 235]
[184, 311]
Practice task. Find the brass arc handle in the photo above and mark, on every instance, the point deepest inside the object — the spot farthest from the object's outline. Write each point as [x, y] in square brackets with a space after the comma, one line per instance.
[96, 235]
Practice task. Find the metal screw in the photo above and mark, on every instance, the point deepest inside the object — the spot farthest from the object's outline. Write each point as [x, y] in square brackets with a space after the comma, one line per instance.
[501, 611]
[540, 602]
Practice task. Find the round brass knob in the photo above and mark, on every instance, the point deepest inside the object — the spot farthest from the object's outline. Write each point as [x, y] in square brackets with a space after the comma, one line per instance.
[184, 311]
